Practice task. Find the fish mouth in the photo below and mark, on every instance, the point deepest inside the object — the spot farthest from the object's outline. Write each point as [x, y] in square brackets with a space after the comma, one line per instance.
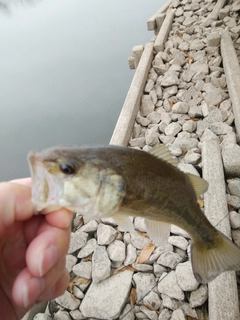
[45, 191]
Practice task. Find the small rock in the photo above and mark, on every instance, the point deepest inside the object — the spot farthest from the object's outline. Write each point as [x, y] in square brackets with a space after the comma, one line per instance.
[179, 242]
[176, 230]
[234, 187]
[101, 265]
[178, 315]
[168, 285]
[149, 313]
[189, 126]
[90, 226]
[143, 121]
[180, 107]
[147, 106]
[87, 249]
[131, 255]
[138, 241]
[172, 129]
[144, 283]
[83, 269]
[235, 220]
[143, 267]
[105, 234]
[67, 301]
[70, 262]
[127, 313]
[170, 78]
[192, 157]
[169, 259]
[117, 251]
[166, 314]
[137, 142]
[78, 240]
[170, 303]
[154, 117]
[186, 143]
[198, 296]
[185, 277]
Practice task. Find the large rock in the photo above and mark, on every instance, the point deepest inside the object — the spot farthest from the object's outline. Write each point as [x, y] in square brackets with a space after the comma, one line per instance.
[106, 299]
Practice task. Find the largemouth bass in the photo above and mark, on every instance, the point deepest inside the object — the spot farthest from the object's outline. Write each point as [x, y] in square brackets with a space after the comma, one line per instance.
[119, 182]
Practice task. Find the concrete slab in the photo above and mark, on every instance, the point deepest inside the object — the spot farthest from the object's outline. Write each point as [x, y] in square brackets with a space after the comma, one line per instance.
[123, 129]
[232, 72]
[223, 294]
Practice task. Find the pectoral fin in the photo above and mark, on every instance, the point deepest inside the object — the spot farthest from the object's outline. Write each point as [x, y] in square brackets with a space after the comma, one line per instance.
[124, 222]
[158, 231]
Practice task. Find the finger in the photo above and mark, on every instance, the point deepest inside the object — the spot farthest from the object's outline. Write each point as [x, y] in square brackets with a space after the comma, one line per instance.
[49, 246]
[61, 218]
[23, 181]
[15, 204]
[27, 289]
[58, 289]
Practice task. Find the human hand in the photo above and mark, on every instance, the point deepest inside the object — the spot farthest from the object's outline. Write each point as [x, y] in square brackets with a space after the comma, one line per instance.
[32, 251]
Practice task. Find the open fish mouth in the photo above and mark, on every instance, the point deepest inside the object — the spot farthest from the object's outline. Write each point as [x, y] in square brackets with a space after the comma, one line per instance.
[45, 190]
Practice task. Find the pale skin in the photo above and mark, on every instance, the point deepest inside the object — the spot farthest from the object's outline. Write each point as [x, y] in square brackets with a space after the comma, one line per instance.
[32, 251]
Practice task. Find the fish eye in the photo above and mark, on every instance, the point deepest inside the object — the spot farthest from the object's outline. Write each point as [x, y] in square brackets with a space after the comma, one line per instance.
[67, 168]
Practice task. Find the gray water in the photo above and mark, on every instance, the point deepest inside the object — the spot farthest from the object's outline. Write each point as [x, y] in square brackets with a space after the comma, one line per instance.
[64, 73]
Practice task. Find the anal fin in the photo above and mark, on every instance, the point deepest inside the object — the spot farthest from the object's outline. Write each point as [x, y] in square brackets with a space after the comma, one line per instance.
[158, 231]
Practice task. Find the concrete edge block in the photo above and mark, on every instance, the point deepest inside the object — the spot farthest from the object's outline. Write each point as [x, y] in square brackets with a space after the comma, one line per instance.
[123, 129]
[223, 295]
[164, 31]
[232, 72]
[151, 23]
[218, 6]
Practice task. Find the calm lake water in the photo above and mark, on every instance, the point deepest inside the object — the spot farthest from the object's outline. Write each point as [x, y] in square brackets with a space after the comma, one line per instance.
[64, 72]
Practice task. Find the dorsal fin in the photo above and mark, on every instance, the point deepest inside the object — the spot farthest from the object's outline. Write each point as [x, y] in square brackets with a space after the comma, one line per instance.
[199, 185]
[162, 152]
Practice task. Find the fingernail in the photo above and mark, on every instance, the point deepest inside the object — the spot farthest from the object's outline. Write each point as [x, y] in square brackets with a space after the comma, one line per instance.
[47, 259]
[32, 289]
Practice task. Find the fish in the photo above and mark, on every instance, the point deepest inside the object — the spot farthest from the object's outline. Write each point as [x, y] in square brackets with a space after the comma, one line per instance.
[119, 182]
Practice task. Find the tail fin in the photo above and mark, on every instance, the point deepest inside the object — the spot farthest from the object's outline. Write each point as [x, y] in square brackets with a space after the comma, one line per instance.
[208, 263]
